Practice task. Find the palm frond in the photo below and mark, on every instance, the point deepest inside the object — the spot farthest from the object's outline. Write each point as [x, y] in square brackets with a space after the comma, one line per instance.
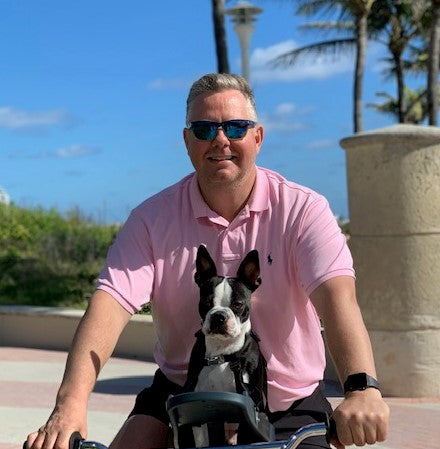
[314, 7]
[415, 105]
[326, 48]
[338, 26]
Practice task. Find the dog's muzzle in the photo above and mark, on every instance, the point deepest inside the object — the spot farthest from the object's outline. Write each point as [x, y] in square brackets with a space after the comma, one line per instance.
[218, 322]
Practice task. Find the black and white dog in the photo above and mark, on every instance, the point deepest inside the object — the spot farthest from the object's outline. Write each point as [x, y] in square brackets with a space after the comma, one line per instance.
[226, 355]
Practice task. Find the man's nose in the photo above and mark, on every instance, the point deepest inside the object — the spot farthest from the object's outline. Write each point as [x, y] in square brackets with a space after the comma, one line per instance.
[221, 135]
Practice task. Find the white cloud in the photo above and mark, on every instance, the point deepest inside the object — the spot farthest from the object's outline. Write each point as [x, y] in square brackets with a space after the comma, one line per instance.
[17, 119]
[285, 108]
[282, 124]
[262, 56]
[162, 84]
[309, 67]
[76, 151]
[70, 152]
[322, 144]
[282, 119]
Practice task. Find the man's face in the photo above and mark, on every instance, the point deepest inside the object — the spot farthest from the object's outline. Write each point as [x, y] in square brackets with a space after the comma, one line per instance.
[222, 161]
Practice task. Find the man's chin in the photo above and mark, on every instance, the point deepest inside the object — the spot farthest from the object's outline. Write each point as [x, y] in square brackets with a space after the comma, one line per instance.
[224, 175]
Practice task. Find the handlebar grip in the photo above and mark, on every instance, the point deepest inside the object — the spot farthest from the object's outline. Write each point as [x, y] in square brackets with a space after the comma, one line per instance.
[331, 429]
[75, 440]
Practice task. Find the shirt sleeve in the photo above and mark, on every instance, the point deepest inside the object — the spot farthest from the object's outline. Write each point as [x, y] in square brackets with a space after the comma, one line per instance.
[321, 252]
[128, 275]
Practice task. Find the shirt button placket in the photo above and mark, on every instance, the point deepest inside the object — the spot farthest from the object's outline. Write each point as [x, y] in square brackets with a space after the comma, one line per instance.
[232, 247]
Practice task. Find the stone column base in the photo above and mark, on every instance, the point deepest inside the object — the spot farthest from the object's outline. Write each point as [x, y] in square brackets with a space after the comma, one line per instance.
[407, 362]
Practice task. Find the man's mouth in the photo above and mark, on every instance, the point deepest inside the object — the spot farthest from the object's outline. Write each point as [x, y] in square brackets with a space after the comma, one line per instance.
[220, 158]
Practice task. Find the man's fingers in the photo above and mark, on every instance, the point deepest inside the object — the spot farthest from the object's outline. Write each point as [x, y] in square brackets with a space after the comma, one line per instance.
[49, 440]
[43, 440]
[62, 441]
[30, 440]
[335, 442]
[36, 439]
[343, 431]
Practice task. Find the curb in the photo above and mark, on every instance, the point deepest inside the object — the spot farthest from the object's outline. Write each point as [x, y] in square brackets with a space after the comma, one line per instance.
[54, 327]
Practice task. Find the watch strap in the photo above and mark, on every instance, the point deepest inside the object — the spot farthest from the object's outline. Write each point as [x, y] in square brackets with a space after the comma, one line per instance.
[360, 381]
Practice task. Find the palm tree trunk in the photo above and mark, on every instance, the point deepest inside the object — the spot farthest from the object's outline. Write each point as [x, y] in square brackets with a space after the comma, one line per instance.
[433, 64]
[218, 17]
[400, 87]
[361, 49]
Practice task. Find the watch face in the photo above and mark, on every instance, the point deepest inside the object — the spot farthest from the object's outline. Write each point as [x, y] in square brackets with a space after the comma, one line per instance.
[360, 381]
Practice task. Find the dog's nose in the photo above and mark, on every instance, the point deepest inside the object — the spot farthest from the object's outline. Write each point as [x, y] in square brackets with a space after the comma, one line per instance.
[218, 320]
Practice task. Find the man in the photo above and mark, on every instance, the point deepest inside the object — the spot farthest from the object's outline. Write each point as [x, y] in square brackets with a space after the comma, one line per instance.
[232, 206]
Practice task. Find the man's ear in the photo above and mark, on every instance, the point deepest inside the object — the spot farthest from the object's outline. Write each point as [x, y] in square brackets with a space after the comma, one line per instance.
[259, 136]
[185, 137]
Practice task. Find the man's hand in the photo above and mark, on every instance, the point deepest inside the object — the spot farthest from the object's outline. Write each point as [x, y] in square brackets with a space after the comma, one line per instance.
[59, 427]
[361, 418]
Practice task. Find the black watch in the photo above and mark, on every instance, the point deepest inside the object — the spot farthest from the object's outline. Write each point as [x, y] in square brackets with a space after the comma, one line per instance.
[360, 381]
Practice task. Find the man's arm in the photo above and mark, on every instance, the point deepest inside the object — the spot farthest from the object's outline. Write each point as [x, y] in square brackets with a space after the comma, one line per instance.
[94, 341]
[362, 417]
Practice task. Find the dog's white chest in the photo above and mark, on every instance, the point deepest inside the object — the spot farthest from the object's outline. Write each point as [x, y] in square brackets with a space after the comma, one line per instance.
[216, 378]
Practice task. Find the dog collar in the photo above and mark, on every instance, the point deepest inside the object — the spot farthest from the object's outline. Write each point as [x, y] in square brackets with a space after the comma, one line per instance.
[233, 358]
[219, 359]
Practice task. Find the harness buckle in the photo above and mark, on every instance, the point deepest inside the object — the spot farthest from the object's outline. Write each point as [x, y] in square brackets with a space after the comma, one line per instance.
[216, 360]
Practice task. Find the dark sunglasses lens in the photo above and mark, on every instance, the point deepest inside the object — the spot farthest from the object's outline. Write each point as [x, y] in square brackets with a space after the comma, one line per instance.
[234, 131]
[204, 131]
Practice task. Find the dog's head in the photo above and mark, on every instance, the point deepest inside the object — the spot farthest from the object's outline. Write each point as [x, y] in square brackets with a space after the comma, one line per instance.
[225, 301]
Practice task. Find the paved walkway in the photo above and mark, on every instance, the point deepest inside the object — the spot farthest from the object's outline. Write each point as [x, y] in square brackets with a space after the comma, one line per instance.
[29, 380]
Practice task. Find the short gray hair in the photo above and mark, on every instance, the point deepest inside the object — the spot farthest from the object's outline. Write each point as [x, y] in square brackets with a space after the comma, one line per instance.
[218, 82]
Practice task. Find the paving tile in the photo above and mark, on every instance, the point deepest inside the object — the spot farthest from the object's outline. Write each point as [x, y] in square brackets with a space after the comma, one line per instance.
[29, 380]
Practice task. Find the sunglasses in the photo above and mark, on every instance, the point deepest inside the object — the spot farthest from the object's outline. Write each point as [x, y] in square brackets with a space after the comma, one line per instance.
[233, 129]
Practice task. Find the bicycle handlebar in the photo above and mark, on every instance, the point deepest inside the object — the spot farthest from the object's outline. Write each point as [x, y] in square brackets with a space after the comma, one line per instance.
[311, 430]
[75, 441]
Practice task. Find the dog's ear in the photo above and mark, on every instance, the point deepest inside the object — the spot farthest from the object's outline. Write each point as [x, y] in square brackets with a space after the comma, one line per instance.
[249, 270]
[205, 266]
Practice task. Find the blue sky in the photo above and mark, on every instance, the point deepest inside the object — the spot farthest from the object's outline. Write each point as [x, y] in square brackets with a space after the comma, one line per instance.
[92, 100]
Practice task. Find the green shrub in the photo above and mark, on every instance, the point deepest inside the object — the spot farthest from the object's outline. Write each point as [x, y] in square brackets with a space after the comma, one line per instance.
[48, 259]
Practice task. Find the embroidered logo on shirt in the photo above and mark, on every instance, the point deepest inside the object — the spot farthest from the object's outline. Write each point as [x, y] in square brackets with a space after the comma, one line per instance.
[269, 259]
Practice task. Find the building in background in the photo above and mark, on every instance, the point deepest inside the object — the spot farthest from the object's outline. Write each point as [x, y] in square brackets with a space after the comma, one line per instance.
[4, 197]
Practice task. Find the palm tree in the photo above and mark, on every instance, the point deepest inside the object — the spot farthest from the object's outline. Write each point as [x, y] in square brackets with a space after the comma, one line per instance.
[396, 23]
[352, 19]
[218, 17]
[415, 107]
[423, 56]
[433, 63]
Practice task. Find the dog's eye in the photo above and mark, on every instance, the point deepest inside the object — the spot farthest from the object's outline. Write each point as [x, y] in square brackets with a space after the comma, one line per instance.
[237, 306]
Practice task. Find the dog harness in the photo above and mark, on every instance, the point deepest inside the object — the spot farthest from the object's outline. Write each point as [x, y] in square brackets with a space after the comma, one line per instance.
[245, 361]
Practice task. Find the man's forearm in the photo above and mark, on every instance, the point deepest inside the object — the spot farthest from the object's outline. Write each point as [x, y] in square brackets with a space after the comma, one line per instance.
[93, 343]
[350, 347]
[345, 332]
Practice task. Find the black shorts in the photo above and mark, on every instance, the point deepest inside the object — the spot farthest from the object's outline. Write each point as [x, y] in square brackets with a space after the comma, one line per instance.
[314, 408]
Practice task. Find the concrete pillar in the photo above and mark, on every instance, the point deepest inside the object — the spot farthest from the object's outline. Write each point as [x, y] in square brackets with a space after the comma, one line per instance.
[394, 205]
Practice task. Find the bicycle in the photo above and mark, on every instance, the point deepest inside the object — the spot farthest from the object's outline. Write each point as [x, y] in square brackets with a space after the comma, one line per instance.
[187, 410]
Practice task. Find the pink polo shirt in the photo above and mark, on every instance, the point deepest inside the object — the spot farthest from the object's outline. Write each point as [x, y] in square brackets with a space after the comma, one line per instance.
[300, 246]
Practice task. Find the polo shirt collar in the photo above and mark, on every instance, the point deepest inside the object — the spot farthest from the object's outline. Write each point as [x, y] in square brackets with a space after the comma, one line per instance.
[258, 201]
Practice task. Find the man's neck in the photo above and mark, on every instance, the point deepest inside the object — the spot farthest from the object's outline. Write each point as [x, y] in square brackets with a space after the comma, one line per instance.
[227, 201]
